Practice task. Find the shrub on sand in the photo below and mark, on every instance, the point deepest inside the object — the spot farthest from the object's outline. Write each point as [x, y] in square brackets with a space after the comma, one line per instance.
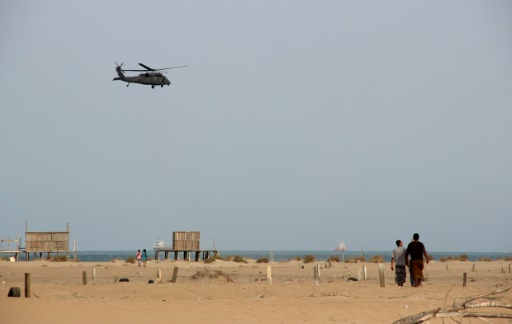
[213, 258]
[59, 258]
[430, 257]
[355, 259]
[463, 257]
[445, 258]
[130, 260]
[239, 259]
[485, 259]
[334, 258]
[377, 259]
[309, 258]
[262, 260]
[212, 274]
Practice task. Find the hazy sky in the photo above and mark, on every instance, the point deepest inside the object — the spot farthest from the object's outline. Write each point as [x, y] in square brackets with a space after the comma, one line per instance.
[297, 124]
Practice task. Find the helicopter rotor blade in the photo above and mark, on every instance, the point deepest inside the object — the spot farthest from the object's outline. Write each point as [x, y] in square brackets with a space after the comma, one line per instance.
[146, 67]
[174, 67]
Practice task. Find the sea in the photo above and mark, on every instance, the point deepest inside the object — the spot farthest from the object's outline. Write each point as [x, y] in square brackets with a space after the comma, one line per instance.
[277, 256]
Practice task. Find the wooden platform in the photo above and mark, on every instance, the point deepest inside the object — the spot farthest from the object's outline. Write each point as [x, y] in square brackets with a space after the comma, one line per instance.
[199, 254]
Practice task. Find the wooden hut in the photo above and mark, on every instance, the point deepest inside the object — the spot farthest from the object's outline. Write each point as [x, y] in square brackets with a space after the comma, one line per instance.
[47, 242]
[186, 241]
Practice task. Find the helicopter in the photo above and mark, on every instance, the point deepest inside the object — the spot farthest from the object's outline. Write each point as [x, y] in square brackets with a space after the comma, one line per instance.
[150, 76]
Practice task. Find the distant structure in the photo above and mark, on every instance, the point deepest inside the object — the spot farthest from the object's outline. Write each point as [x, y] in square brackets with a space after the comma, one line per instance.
[13, 254]
[341, 248]
[185, 243]
[47, 242]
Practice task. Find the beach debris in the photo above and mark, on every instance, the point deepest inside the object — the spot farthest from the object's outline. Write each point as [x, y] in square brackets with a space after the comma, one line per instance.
[352, 279]
[124, 280]
[14, 292]
[462, 308]
[151, 281]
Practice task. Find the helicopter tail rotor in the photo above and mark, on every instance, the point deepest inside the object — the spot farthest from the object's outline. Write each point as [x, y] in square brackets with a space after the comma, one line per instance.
[119, 71]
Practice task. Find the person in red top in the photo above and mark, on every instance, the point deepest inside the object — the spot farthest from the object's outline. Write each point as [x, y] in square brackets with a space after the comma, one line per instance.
[416, 250]
[138, 256]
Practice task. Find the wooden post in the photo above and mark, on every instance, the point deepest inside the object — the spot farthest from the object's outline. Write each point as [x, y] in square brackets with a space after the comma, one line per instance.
[27, 285]
[174, 275]
[84, 278]
[158, 275]
[509, 268]
[473, 267]
[381, 275]
[269, 275]
[464, 279]
[316, 272]
[365, 274]
[115, 276]
[93, 273]
[447, 266]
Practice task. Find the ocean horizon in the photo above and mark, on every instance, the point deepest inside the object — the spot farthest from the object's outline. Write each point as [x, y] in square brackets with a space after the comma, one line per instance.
[277, 256]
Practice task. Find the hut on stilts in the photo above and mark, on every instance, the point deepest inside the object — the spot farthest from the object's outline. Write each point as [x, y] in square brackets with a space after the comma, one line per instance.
[47, 242]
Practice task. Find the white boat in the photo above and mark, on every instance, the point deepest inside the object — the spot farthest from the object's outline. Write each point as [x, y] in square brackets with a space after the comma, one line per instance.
[159, 244]
[341, 247]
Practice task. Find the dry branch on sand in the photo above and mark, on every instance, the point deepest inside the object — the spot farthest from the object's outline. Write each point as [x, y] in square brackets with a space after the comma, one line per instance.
[460, 308]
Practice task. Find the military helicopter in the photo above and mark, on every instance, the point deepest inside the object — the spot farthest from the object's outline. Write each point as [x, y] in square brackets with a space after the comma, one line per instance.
[150, 76]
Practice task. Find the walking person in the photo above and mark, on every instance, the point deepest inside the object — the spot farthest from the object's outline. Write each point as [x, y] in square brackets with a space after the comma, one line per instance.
[144, 257]
[138, 256]
[398, 263]
[416, 250]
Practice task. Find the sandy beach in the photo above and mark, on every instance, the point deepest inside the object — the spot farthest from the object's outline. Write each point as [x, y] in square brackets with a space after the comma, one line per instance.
[230, 292]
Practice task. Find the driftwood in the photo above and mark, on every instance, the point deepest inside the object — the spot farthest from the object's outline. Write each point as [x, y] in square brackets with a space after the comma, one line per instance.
[418, 318]
[460, 309]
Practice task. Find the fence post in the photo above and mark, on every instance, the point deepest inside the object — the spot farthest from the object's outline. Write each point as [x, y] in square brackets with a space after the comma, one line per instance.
[316, 271]
[174, 275]
[27, 285]
[269, 275]
[381, 275]
[464, 279]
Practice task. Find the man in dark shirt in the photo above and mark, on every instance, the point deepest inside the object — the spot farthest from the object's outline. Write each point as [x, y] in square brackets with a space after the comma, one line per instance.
[416, 250]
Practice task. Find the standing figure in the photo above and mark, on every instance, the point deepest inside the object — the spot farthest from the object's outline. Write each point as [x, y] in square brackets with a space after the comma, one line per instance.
[398, 261]
[416, 250]
[144, 257]
[138, 256]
